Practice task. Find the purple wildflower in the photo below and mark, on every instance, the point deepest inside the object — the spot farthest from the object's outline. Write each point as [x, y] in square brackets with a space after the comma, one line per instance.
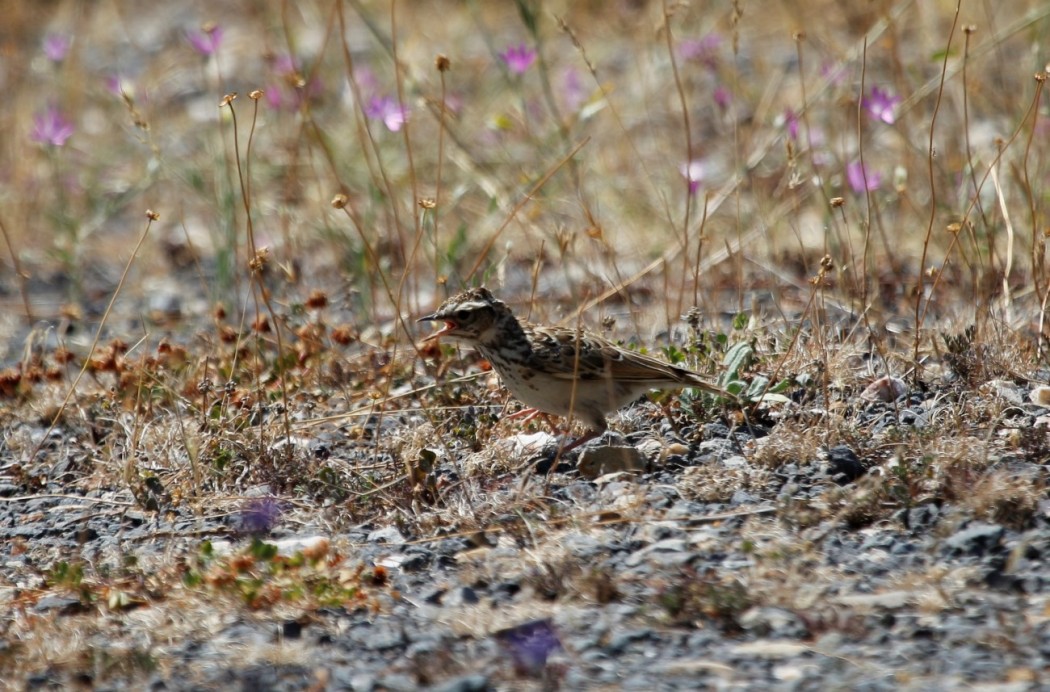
[518, 58]
[791, 124]
[881, 105]
[388, 110]
[51, 128]
[530, 645]
[722, 97]
[207, 40]
[115, 85]
[860, 180]
[259, 515]
[56, 46]
[694, 173]
[703, 50]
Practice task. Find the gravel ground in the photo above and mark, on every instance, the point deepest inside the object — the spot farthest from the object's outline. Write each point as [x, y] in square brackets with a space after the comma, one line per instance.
[704, 570]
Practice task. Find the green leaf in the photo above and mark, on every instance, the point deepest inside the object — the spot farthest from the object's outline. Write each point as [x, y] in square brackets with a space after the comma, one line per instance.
[736, 359]
[758, 387]
[261, 550]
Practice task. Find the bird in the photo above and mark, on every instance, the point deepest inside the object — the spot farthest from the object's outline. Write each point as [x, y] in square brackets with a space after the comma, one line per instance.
[557, 370]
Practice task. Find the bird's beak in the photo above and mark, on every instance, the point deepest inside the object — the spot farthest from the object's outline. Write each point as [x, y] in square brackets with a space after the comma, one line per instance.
[432, 317]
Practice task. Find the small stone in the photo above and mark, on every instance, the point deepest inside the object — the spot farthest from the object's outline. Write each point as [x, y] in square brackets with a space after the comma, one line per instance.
[843, 465]
[975, 539]
[1040, 396]
[886, 388]
[387, 534]
[64, 605]
[463, 596]
[475, 682]
[773, 622]
[600, 461]
[291, 629]
[735, 462]
[1006, 390]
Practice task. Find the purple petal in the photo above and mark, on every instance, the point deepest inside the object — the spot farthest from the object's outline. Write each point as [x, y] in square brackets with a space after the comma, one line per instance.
[703, 50]
[388, 110]
[56, 46]
[860, 180]
[694, 173]
[206, 41]
[530, 645]
[881, 105]
[518, 58]
[51, 128]
[722, 97]
[791, 123]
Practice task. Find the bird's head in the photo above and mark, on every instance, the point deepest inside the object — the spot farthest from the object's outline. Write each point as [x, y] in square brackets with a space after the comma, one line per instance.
[468, 317]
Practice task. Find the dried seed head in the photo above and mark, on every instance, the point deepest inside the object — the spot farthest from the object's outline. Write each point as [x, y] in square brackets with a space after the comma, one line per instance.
[259, 261]
[227, 99]
[255, 94]
[442, 63]
[837, 202]
[152, 215]
[339, 201]
[317, 299]
[344, 334]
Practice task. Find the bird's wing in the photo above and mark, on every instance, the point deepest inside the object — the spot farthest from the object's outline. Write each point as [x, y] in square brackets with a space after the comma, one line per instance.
[568, 354]
[555, 350]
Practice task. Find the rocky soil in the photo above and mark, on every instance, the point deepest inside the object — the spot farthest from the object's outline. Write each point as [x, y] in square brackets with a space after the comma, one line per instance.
[703, 561]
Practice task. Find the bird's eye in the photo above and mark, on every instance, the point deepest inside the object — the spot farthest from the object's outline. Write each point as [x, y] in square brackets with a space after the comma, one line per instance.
[461, 315]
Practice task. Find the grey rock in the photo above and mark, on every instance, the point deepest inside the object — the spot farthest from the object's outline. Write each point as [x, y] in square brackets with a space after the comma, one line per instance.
[769, 621]
[387, 534]
[600, 461]
[975, 539]
[476, 682]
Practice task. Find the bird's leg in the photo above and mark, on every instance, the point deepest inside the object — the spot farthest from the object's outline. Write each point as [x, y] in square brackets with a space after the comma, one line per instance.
[583, 439]
[529, 414]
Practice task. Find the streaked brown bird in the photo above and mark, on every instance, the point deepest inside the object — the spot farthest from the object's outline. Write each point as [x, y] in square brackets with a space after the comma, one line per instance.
[557, 370]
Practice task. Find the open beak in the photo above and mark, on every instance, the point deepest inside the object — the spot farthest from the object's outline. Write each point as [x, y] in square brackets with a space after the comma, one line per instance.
[447, 327]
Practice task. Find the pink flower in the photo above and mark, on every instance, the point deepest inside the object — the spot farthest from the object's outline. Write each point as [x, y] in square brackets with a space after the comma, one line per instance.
[791, 124]
[56, 46]
[722, 97]
[207, 40]
[860, 180]
[388, 110]
[694, 173]
[51, 128]
[518, 58]
[881, 105]
[703, 50]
